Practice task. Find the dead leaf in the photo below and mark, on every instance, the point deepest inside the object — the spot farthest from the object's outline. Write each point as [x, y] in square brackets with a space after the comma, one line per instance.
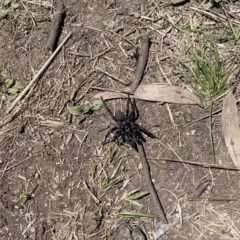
[230, 127]
[110, 95]
[170, 94]
[158, 93]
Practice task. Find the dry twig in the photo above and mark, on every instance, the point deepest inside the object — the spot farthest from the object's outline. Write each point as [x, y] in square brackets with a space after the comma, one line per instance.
[56, 27]
[204, 165]
[142, 63]
[112, 76]
[196, 198]
[150, 184]
[90, 192]
[36, 77]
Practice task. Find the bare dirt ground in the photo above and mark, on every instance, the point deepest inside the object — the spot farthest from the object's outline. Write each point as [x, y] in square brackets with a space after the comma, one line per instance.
[56, 160]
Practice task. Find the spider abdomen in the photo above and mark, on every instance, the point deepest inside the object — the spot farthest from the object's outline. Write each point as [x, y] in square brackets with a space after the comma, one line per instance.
[129, 132]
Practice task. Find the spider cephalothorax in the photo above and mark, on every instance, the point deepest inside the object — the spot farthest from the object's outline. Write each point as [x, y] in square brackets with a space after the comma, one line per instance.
[126, 129]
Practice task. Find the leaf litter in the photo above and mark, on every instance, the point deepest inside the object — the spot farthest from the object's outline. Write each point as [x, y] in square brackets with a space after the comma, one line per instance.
[230, 128]
[158, 93]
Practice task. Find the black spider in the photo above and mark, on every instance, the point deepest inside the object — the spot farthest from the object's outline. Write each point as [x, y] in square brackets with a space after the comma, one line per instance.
[126, 129]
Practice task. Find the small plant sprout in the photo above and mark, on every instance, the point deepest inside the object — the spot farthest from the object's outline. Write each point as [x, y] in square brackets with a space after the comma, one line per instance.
[92, 173]
[9, 85]
[207, 74]
[111, 25]
[8, 5]
[211, 3]
[111, 155]
[86, 107]
[23, 197]
[236, 34]
[97, 215]
[108, 183]
[116, 169]
[135, 195]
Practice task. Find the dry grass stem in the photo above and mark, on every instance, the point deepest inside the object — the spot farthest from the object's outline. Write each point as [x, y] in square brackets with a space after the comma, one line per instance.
[36, 77]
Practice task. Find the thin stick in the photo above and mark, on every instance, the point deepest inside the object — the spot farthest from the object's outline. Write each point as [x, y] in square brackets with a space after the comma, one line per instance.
[204, 117]
[112, 76]
[74, 92]
[110, 90]
[211, 132]
[11, 116]
[171, 116]
[201, 189]
[218, 111]
[229, 23]
[90, 192]
[80, 146]
[204, 165]
[215, 16]
[194, 198]
[35, 78]
[15, 165]
[149, 182]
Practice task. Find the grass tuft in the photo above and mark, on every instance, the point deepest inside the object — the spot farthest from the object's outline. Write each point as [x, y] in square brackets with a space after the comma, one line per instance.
[209, 75]
[206, 72]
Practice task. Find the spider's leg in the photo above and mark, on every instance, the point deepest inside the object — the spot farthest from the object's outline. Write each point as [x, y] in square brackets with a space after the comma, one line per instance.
[127, 106]
[118, 137]
[130, 113]
[145, 131]
[113, 130]
[109, 111]
[134, 146]
[134, 115]
[130, 140]
[116, 134]
[132, 143]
